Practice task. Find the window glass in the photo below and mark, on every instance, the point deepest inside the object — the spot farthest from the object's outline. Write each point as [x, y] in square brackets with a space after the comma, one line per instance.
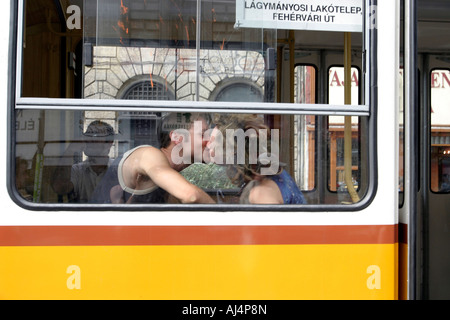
[109, 44]
[440, 130]
[304, 127]
[401, 93]
[401, 149]
[337, 126]
[171, 53]
[336, 85]
[65, 156]
[147, 90]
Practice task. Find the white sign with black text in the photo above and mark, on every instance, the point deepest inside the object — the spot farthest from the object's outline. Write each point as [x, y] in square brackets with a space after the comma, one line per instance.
[318, 15]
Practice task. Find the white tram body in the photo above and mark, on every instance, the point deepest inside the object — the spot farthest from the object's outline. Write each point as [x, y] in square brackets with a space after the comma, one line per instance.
[325, 249]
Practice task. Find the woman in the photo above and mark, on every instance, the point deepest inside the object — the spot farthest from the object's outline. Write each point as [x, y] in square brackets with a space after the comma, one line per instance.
[253, 172]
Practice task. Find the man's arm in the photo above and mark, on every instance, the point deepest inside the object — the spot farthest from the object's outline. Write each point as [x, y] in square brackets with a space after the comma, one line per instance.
[154, 164]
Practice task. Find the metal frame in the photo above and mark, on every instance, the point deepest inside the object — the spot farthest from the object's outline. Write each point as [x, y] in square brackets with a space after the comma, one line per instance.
[411, 147]
[193, 106]
[368, 109]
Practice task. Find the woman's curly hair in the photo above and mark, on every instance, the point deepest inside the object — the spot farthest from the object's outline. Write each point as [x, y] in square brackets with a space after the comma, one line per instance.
[253, 125]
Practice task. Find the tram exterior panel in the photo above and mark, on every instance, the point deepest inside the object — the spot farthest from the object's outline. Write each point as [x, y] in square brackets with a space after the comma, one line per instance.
[200, 262]
[172, 252]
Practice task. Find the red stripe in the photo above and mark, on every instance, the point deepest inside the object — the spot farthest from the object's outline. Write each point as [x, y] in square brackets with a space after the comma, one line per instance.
[403, 233]
[194, 235]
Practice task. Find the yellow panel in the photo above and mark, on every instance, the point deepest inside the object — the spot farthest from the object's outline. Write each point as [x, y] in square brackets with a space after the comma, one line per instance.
[403, 272]
[200, 272]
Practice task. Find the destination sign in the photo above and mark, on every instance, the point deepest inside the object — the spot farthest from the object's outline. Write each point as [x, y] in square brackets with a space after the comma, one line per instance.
[318, 15]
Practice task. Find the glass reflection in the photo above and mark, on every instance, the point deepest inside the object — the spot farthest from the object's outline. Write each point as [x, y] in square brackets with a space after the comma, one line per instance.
[107, 157]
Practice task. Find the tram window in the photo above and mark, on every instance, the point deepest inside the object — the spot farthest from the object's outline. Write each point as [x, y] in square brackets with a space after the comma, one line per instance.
[109, 42]
[336, 85]
[304, 127]
[401, 163]
[440, 130]
[155, 39]
[60, 160]
[336, 126]
[115, 53]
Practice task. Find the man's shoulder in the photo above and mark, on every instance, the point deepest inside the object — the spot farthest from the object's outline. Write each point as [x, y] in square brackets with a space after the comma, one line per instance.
[146, 149]
[148, 155]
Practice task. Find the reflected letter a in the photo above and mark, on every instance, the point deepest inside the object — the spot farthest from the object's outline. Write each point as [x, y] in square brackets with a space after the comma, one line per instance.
[74, 21]
[74, 280]
[374, 281]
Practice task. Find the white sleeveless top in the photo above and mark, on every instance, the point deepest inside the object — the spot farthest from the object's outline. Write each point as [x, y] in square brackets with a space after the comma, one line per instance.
[120, 177]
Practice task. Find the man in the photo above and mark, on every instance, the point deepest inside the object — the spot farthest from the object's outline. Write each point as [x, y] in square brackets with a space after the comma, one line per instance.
[147, 174]
[84, 176]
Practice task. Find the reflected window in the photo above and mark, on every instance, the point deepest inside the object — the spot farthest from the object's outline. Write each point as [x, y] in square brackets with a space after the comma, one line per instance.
[340, 129]
[148, 90]
[304, 127]
[238, 91]
[440, 130]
